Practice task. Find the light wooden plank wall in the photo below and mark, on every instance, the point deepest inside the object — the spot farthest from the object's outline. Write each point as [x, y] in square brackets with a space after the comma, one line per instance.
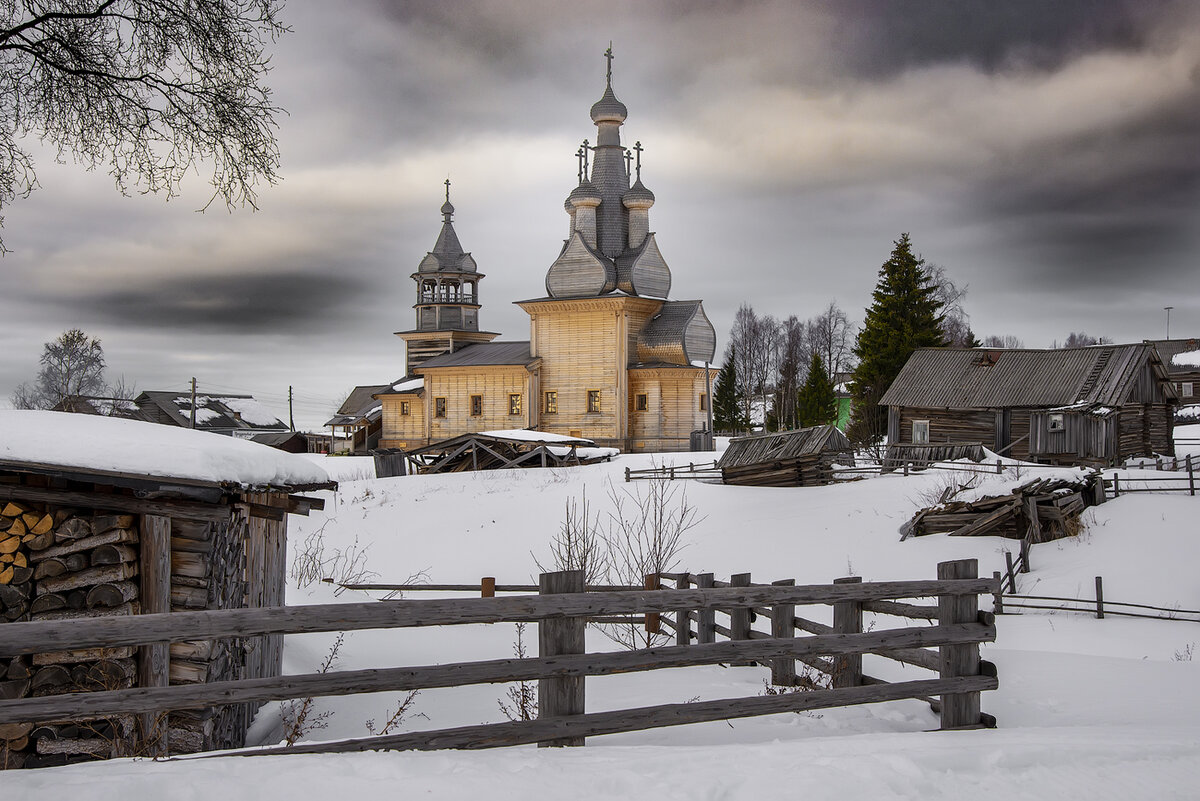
[457, 385]
[673, 407]
[399, 430]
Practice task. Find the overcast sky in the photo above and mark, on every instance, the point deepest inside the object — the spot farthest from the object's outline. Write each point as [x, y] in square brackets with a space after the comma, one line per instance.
[1047, 154]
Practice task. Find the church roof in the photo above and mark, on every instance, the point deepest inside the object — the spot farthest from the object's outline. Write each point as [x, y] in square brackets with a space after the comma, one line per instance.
[484, 354]
[447, 253]
[679, 333]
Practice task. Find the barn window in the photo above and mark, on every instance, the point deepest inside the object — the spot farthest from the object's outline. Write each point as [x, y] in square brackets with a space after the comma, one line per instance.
[593, 400]
[1055, 423]
[439, 407]
[551, 403]
[405, 408]
[920, 432]
[514, 404]
[1185, 389]
[641, 402]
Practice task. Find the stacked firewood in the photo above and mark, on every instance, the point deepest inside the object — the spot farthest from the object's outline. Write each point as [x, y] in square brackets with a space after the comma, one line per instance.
[1040, 510]
[58, 563]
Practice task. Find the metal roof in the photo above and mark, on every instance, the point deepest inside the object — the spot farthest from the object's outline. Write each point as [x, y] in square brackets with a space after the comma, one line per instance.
[1168, 348]
[483, 354]
[979, 378]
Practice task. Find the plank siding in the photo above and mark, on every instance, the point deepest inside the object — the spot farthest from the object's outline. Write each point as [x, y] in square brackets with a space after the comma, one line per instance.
[400, 430]
[672, 411]
[457, 384]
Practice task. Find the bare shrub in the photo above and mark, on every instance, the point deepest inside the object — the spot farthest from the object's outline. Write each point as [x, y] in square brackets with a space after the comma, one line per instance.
[313, 562]
[298, 715]
[402, 711]
[645, 537]
[945, 486]
[578, 544]
[522, 696]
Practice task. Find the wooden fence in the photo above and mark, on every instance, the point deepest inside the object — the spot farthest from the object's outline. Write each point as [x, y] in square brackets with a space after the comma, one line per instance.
[561, 610]
[1003, 603]
[672, 472]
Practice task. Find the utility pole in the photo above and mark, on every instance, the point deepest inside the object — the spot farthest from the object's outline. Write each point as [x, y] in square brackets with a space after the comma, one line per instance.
[193, 422]
[1167, 309]
[291, 417]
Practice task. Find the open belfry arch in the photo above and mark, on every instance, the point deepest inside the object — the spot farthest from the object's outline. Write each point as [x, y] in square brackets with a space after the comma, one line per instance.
[610, 356]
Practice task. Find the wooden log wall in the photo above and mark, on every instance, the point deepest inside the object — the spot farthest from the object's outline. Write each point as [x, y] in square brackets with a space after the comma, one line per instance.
[58, 563]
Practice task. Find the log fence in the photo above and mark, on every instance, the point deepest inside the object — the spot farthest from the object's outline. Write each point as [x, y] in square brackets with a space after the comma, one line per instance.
[673, 472]
[1157, 484]
[950, 649]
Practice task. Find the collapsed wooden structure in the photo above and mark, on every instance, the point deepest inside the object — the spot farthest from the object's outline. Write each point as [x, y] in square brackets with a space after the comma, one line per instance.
[84, 543]
[800, 458]
[495, 451]
[1039, 511]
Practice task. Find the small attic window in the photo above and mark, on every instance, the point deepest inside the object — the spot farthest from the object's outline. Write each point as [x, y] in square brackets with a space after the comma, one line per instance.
[1056, 423]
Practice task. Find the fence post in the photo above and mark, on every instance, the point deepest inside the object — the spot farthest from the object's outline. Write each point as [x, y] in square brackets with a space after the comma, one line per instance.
[1099, 598]
[847, 619]
[1116, 485]
[1025, 556]
[959, 709]
[1191, 476]
[1012, 576]
[998, 595]
[653, 625]
[783, 626]
[739, 618]
[487, 587]
[706, 618]
[154, 665]
[557, 636]
[999, 466]
[683, 623]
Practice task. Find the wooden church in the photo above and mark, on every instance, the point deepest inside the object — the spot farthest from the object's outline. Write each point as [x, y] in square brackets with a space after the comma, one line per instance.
[610, 357]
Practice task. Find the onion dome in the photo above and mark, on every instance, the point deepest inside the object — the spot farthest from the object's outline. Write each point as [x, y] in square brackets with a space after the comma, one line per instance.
[586, 194]
[608, 108]
[638, 197]
[447, 208]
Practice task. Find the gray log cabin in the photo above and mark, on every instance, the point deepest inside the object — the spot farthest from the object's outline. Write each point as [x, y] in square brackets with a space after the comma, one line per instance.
[1088, 406]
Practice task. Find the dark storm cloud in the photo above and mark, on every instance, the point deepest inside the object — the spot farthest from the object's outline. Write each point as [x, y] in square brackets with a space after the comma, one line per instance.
[877, 39]
[245, 303]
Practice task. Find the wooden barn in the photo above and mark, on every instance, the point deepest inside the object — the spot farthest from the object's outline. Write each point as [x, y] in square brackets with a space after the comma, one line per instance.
[103, 516]
[1087, 406]
[801, 458]
[1181, 357]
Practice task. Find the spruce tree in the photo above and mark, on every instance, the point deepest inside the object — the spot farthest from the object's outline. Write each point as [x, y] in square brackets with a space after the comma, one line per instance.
[904, 316]
[727, 412]
[818, 403]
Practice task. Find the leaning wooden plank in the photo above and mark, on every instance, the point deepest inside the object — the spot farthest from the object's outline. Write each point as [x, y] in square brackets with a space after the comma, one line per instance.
[145, 699]
[31, 637]
[640, 719]
[987, 522]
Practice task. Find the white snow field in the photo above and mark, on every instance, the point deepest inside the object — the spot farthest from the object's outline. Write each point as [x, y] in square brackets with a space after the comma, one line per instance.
[1087, 708]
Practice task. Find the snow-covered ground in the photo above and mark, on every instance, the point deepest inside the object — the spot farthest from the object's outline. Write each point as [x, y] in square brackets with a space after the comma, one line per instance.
[1087, 708]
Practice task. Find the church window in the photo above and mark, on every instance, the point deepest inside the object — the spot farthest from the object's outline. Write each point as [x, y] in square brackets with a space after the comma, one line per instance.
[514, 404]
[476, 405]
[405, 408]
[439, 407]
[593, 400]
[641, 402]
[703, 402]
[551, 403]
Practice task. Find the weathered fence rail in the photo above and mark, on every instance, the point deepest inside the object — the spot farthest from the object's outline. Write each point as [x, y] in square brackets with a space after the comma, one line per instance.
[1003, 603]
[561, 610]
[672, 472]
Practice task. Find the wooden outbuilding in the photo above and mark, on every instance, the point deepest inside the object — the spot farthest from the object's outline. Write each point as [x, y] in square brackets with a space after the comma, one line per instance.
[801, 458]
[87, 533]
[1095, 406]
[1181, 357]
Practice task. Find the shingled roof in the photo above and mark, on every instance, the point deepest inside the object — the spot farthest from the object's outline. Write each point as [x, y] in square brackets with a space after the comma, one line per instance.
[966, 378]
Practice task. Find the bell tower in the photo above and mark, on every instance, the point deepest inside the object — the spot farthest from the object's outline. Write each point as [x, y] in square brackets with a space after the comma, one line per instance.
[447, 301]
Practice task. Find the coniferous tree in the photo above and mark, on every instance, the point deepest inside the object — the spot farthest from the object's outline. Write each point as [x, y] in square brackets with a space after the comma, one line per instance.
[904, 315]
[818, 403]
[727, 412]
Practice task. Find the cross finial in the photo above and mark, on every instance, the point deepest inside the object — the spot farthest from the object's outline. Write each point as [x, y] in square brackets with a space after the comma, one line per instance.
[628, 161]
[447, 189]
[638, 147]
[608, 56]
[579, 164]
[586, 147]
